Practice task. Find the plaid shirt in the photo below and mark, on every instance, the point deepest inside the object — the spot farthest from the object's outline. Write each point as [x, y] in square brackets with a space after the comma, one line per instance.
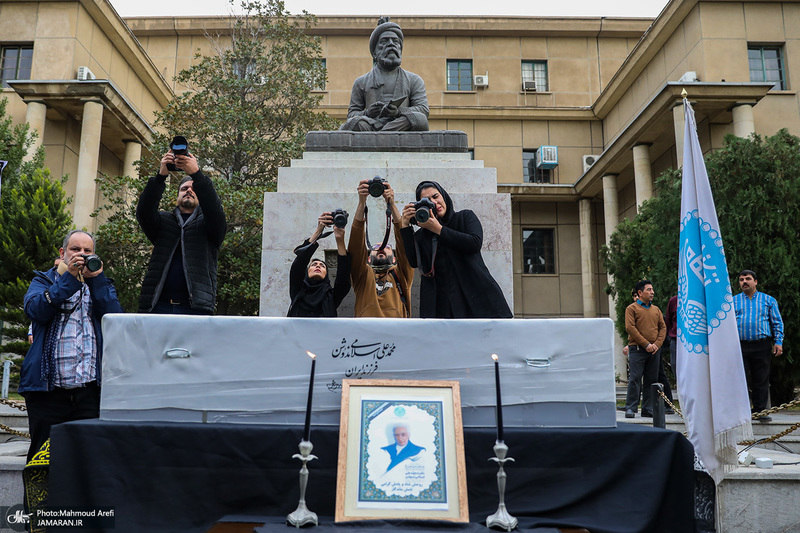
[76, 349]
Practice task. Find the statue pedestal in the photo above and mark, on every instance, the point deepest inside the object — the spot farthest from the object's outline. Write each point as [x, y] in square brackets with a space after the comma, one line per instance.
[328, 174]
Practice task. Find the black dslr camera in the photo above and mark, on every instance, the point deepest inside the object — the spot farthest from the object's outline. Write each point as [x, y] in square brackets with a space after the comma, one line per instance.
[424, 209]
[92, 262]
[376, 186]
[339, 217]
[178, 146]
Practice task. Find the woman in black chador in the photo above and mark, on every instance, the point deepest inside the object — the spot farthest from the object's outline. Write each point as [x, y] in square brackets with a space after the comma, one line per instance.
[447, 251]
[309, 285]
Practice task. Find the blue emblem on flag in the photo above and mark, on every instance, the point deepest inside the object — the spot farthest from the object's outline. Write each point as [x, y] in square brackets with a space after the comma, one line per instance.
[703, 282]
[399, 412]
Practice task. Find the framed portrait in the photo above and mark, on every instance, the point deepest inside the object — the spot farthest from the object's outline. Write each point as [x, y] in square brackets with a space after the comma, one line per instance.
[401, 451]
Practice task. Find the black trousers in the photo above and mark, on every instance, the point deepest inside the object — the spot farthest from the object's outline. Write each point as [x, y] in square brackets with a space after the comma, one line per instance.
[757, 357]
[643, 373]
[46, 409]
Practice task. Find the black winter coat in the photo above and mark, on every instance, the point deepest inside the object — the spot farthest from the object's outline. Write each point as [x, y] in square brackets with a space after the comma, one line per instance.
[461, 285]
[201, 236]
[316, 299]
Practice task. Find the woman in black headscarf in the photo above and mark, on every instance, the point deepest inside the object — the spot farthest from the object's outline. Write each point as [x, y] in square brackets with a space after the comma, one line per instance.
[309, 285]
[447, 250]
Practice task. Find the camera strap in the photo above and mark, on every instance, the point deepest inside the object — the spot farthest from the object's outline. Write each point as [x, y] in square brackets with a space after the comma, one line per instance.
[402, 294]
[388, 227]
[434, 245]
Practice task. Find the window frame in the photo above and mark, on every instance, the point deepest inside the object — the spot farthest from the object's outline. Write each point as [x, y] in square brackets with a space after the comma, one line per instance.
[544, 175]
[20, 48]
[531, 75]
[459, 85]
[780, 84]
[324, 62]
[553, 251]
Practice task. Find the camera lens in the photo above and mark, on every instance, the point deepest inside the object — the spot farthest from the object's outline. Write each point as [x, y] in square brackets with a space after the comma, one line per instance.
[92, 263]
[340, 218]
[376, 187]
[422, 214]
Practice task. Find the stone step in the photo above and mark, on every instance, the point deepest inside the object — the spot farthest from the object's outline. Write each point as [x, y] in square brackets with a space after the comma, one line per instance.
[18, 419]
[11, 479]
[10, 437]
[779, 423]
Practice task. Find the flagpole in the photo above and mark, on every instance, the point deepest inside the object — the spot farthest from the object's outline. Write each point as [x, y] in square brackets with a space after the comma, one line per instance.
[710, 371]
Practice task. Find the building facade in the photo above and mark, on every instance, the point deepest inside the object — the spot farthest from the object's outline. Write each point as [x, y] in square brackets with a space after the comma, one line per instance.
[578, 115]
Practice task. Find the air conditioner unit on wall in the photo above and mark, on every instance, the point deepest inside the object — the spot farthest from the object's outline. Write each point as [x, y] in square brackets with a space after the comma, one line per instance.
[547, 157]
[84, 74]
[529, 86]
[588, 161]
[481, 80]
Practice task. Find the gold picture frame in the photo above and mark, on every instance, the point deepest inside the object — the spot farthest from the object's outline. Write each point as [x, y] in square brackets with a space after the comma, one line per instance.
[401, 451]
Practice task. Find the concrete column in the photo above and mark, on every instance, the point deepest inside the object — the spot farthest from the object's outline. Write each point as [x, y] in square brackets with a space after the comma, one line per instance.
[35, 117]
[611, 216]
[679, 121]
[86, 188]
[133, 152]
[588, 258]
[643, 173]
[744, 124]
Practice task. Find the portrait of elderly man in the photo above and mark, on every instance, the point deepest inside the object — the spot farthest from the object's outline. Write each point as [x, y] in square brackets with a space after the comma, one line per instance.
[402, 448]
[387, 98]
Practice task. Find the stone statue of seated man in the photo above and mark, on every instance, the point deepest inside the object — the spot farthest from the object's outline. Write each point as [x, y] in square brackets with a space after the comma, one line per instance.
[387, 98]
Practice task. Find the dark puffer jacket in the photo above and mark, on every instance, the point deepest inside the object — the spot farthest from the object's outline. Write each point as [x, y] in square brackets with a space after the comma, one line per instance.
[201, 236]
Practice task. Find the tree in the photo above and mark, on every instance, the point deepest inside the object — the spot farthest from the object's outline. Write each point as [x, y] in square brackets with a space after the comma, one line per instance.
[245, 115]
[33, 221]
[756, 188]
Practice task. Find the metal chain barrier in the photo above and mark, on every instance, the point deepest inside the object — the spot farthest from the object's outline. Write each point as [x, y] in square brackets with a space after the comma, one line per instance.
[15, 405]
[770, 411]
[7, 429]
[781, 407]
[670, 404]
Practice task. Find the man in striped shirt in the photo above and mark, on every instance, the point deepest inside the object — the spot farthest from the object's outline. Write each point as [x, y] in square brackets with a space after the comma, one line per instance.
[761, 335]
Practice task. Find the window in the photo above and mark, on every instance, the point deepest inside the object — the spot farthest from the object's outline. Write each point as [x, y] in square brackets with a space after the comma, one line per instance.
[459, 74]
[531, 174]
[15, 63]
[535, 71]
[318, 84]
[538, 251]
[766, 64]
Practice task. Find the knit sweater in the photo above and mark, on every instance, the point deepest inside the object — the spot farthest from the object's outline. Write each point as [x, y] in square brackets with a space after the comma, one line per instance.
[645, 325]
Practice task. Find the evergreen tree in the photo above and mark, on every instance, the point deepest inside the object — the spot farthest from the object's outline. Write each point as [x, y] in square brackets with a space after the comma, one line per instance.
[756, 188]
[33, 221]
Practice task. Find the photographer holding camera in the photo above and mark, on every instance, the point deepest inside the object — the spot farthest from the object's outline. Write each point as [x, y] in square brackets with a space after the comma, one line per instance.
[60, 376]
[309, 285]
[381, 279]
[181, 277]
[447, 250]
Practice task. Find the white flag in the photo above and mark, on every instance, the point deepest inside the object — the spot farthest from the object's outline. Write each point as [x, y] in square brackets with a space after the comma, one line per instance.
[710, 373]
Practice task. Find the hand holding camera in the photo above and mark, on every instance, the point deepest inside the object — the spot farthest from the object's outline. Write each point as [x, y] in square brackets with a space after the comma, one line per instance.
[178, 158]
[424, 209]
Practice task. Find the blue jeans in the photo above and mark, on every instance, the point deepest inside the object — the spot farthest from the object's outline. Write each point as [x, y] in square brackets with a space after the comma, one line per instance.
[643, 366]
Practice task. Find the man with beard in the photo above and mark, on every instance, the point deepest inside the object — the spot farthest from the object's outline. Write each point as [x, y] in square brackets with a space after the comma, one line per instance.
[381, 280]
[387, 98]
[181, 277]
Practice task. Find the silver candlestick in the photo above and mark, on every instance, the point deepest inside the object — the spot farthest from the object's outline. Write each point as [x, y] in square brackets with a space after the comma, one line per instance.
[501, 518]
[302, 516]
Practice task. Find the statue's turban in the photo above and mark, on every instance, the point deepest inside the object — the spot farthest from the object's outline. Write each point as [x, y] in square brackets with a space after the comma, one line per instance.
[386, 26]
